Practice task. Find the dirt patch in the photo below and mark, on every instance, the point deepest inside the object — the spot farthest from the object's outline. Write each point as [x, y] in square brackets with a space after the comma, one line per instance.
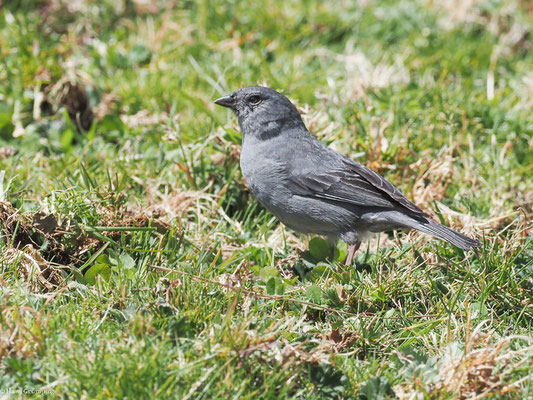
[72, 95]
[43, 247]
[340, 339]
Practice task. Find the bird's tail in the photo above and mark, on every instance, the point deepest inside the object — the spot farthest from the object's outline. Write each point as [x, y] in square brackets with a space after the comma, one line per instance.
[443, 232]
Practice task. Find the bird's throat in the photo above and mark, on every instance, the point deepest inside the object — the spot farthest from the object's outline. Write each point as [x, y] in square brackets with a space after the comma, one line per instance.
[266, 130]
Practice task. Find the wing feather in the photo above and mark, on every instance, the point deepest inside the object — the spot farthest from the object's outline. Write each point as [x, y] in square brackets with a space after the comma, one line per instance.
[338, 178]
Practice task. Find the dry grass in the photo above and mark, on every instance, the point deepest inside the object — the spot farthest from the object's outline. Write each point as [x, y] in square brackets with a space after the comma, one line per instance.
[21, 331]
[33, 269]
[479, 368]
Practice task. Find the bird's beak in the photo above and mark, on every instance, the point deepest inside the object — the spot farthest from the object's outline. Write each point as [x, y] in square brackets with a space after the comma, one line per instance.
[226, 101]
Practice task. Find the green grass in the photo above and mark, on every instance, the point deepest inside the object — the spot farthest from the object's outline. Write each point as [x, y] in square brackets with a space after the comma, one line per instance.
[136, 264]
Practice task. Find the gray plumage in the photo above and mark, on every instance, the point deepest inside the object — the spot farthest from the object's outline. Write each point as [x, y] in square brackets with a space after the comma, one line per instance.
[312, 188]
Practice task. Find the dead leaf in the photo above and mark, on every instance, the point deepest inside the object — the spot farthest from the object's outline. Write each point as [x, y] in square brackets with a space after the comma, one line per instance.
[45, 222]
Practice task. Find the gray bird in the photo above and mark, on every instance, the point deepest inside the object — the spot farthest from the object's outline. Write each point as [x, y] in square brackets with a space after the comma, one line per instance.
[312, 188]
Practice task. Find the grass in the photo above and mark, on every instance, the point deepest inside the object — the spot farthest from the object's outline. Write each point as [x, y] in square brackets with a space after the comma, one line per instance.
[136, 264]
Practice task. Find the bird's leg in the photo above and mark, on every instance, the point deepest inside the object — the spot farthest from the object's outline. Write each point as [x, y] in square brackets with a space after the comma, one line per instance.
[351, 252]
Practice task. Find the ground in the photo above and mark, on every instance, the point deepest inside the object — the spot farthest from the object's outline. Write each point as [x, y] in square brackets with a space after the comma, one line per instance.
[136, 264]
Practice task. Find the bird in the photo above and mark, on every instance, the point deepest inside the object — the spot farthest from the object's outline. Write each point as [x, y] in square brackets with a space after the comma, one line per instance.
[312, 188]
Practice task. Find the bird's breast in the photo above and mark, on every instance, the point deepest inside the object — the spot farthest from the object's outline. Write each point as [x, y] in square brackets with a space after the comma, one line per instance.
[265, 175]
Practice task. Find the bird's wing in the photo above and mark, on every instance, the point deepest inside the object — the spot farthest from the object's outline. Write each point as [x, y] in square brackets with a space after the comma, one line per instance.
[338, 178]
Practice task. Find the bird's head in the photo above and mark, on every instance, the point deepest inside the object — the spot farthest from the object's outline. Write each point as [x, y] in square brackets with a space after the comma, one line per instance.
[261, 110]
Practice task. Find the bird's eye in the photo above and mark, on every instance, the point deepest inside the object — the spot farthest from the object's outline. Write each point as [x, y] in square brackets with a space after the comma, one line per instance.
[254, 100]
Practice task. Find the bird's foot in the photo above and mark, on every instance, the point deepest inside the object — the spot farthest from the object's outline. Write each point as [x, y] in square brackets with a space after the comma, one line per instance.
[352, 249]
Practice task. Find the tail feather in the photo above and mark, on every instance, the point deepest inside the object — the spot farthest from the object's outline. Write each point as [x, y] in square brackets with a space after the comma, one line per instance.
[449, 235]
